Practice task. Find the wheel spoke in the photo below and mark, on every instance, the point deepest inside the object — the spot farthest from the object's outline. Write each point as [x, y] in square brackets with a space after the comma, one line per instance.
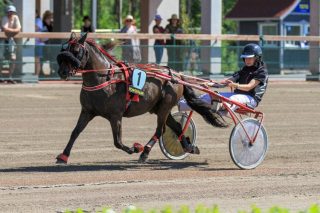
[169, 143]
[242, 154]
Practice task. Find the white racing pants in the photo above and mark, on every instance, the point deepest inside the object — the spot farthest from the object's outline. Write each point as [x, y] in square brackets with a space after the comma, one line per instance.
[240, 98]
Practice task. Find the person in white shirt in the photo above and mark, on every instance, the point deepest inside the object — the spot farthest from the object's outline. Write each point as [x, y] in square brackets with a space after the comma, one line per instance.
[130, 49]
[10, 25]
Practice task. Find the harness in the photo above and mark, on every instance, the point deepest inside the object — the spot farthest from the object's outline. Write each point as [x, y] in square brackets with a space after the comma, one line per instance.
[126, 70]
[151, 70]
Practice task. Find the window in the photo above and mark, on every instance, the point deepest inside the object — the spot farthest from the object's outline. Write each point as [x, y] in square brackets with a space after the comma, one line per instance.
[296, 29]
[268, 29]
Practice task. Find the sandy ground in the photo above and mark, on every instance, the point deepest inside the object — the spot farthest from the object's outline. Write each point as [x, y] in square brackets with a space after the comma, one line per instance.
[36, 122]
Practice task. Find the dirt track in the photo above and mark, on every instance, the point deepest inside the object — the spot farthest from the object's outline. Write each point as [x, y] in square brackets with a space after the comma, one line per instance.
[36, 122]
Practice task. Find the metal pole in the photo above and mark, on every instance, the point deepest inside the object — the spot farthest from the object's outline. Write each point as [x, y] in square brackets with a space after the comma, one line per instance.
[94, 14]
[120, 14]
[314, 49]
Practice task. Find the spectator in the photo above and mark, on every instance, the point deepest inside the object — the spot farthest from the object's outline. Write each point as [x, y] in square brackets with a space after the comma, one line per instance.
[47, 21]
[10, 25]
[87, 27]
[38, 45]
[130, 47]
[174, 52]
[159, 43]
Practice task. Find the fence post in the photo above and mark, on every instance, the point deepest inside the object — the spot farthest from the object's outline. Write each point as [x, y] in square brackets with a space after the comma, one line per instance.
[211, 23]
[261, 40]
[314, 48]
[25, 53]
[174, 50]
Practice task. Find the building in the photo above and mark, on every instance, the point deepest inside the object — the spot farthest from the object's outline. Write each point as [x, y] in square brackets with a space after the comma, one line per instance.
[274, 17]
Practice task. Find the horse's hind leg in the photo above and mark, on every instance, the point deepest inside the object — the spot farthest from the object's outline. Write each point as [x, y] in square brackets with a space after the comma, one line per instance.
[84, 118]
[174, 125]
[177, 128]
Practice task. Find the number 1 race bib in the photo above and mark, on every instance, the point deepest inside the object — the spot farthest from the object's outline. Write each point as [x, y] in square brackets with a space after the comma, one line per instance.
[139, 78]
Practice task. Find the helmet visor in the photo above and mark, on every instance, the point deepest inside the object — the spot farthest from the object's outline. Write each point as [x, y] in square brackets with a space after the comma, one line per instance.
[247, 56]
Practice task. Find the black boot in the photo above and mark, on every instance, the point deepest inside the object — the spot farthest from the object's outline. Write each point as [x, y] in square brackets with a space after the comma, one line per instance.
[188, 147]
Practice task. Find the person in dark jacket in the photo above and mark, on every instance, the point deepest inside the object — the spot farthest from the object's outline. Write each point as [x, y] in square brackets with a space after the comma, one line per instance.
[87, 26]
[158, 43]
[248, 84]
[174, 48]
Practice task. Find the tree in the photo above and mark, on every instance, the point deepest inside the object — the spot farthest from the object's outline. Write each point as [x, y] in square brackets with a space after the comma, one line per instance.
[79, 12]
[107, 18]
[229, 58]
[3, 4]
[108, 12]
[228, 26]
[190, 14]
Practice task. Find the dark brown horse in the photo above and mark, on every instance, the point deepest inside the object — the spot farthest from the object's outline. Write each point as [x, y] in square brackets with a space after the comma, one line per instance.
[110, 102]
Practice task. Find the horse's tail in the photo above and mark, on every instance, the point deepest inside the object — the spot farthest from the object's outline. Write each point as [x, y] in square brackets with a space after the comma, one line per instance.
[202, 108]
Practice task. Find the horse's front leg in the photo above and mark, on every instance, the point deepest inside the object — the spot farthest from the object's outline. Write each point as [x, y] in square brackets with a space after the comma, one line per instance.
[84, 118]
[117, 134]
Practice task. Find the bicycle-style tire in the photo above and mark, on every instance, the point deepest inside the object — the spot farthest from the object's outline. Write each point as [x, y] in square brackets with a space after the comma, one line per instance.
[170, 145]
[243, 154]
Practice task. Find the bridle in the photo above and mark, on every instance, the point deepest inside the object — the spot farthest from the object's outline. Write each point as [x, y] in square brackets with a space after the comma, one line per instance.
[69, 45]
[66, 49]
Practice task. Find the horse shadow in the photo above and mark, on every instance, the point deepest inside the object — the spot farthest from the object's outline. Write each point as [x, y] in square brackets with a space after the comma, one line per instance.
[117, 166]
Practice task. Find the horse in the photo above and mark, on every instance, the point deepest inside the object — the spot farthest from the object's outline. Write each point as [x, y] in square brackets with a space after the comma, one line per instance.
[105, 93]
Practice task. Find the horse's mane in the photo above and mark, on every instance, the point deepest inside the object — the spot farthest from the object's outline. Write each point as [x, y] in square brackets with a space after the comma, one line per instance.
[106, 47]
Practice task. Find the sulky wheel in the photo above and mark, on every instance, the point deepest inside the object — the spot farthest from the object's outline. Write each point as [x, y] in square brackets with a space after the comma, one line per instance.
[169, 143]
[243, 154]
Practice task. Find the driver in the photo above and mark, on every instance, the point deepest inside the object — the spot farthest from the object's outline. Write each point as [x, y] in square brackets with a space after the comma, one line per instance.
[248, 85]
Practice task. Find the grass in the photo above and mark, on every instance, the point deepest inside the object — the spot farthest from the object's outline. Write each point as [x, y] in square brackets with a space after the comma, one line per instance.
[315, 208]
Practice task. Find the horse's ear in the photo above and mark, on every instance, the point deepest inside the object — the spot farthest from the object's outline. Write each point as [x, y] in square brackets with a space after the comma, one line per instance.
[72, 36]
[83, 38]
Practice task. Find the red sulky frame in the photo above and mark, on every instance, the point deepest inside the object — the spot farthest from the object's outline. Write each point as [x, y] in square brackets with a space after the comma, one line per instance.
[242, 110]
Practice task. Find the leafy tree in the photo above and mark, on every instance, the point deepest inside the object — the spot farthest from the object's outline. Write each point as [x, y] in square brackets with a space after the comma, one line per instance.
[107, 15]
[228, 26]
[107, 12]
[229, 58]
[3, 5]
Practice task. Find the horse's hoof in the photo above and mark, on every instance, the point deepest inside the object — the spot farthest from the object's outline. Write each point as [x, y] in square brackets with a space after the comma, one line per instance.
[138, 147]
[195, 150]
[130, 151]
[143, 158]
[61, 162]
[192, 150]
[62, 159]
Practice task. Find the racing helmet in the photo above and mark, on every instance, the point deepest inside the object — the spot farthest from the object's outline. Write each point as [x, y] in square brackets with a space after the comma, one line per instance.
[251, 50]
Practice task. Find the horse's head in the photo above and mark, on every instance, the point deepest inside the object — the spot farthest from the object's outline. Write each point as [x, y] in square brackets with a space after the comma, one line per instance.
[73, 56]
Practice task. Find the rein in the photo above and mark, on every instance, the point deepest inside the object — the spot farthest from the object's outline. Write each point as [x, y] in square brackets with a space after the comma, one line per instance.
[112, 69]
[101, 86]
[105, 53]
[151, 69]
